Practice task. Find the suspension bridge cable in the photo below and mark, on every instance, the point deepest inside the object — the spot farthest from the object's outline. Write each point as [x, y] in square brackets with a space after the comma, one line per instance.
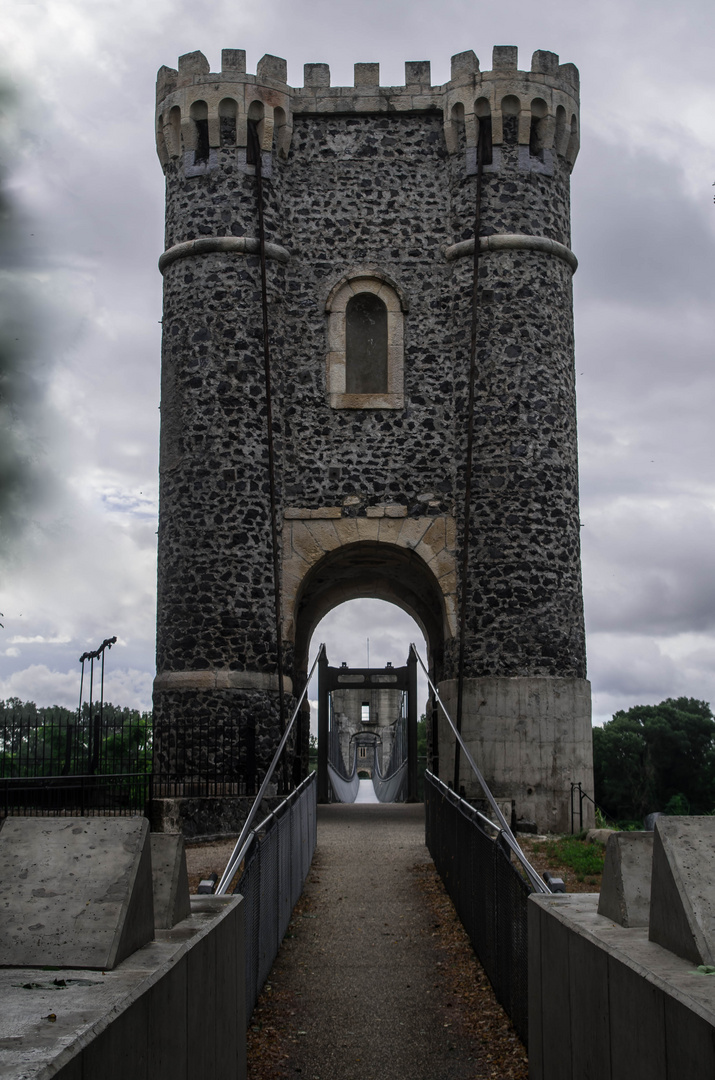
[470, 445]
[534, 879]
[233, 861]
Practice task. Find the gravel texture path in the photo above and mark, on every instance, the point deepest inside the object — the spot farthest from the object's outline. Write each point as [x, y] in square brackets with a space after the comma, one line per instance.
[362, 974]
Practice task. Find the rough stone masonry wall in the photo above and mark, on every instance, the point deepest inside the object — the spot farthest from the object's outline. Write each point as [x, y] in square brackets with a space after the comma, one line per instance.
[363, 186]
[215, 587]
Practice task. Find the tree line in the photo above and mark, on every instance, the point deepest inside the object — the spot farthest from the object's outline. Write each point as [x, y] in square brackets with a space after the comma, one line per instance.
[647, 758]
[56, 741]
[656, 758]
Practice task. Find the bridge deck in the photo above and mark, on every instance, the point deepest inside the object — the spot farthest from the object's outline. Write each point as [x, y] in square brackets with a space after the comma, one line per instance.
[366, 793]
[362, 978]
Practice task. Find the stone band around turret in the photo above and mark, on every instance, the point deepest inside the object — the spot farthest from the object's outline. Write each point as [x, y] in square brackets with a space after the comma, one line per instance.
[513, 242]
[231, 245]
[220, 679]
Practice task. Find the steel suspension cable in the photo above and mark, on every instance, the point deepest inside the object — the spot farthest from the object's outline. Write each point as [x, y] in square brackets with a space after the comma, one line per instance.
[504, 826]
[253, 136]
[470, 444]
[233, 861]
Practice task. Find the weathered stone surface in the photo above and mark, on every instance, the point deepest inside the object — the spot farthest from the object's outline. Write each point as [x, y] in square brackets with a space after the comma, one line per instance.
[371, 183]
[206, 818]
[625, 887]
[682, 899]
[74, 892]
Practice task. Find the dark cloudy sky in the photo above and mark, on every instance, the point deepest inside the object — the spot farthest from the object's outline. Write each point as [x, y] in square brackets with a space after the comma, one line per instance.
[82, 296]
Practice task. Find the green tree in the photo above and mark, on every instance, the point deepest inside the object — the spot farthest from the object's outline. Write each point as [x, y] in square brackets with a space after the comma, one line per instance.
[656, 757]
[422, 737]
[313, 753]
[52, 740]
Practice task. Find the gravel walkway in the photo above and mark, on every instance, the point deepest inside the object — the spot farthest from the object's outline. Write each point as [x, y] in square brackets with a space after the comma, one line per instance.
[362, 975]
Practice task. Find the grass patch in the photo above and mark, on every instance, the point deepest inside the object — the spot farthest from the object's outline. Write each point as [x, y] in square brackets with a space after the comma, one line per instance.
[585, 859]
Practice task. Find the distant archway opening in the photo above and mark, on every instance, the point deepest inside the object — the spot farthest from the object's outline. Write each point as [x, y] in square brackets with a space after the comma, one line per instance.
[371, 571]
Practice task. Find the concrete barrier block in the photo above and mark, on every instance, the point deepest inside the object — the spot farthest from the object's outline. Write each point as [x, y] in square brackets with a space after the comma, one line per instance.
[74, 892]
[138, 1021]
[556, 995]
[625, 888]
[682, 900]
[170, 879]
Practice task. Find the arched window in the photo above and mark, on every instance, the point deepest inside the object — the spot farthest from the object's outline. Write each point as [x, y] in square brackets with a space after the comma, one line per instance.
[560, 136]
[227, 111]
[510, 110]
[173, 132]
[365, 345]
[365, 367]
[200, 118]
[483, 113]
[539, 131]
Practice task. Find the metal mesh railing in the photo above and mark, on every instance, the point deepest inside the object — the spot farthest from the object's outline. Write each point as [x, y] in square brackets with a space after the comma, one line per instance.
[392, 787]
[344, 782]
[344, 790]
[272, 880]
[488, 892]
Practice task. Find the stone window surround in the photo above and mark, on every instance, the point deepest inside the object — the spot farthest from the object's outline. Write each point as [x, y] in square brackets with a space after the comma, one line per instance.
[360, 281]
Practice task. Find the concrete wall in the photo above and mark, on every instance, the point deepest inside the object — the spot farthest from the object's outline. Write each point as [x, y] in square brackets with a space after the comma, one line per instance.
[174, 1010]
[205, 818]
[605, 1003]
[531, 737]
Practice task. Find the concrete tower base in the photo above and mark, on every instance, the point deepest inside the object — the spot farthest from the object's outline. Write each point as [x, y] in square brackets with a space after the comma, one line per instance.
[531, 737]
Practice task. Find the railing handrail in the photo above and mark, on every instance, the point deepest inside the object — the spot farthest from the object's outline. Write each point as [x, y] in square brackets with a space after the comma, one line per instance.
[230, 870]
[538, 884]
[64, 777]
[263, 826]
[457, 799]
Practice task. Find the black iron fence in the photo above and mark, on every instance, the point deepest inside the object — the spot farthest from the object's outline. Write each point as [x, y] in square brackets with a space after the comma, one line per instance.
[96, 760]
[488, 892]
[215, 756]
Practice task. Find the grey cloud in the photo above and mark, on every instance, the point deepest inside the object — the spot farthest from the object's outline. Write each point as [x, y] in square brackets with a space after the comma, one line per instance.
[646, 240]
[648, 568]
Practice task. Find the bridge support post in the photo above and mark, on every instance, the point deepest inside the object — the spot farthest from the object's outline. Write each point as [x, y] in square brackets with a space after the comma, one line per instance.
[323, 720]
[412, 726]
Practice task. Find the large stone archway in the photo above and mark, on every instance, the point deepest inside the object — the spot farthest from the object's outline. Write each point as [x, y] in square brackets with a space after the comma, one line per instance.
[409, 562]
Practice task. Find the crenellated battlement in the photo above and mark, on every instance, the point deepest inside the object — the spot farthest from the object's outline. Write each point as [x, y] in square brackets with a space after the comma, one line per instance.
[199, 111]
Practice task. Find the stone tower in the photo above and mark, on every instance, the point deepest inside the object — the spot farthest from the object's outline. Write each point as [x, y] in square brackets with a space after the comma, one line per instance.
[369, 196]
